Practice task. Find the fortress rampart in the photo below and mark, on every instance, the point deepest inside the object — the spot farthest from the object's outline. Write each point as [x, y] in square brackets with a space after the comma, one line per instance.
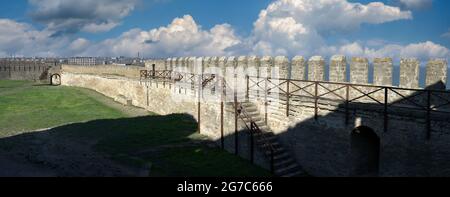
[24, 70]
[315, 119]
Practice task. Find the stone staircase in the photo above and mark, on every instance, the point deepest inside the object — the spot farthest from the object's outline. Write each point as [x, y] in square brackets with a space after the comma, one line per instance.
[284, 164]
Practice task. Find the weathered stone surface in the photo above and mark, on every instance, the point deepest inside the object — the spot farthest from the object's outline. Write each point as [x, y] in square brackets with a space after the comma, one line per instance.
[338, 69]
[253, 64]
[242, 62]
[221, 63]
[266, 66]
[198, 65]
[316, 69]
[169, 64]
[213, 61]
[359, 70]
[178, 62]
[231, 65]
[105, 70]
[409, 73]
[173, 63]
[382, 71]
[282, 63]
[298, 68]
[436, 77]
[190, 62]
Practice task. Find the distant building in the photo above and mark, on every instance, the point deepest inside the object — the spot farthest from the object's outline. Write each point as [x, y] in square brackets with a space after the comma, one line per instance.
[126, 61]
[86, 61]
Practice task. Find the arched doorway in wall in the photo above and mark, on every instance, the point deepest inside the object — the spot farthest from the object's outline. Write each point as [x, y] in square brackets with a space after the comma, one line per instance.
[365, 152]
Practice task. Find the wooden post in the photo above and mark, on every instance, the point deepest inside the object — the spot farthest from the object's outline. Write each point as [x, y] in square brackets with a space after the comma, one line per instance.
[428, 114]
[386, 100]
[287, 97]
[316, 100]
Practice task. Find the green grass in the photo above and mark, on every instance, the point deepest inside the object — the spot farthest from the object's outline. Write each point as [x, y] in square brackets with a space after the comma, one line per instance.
[24, 107]
[86, 120]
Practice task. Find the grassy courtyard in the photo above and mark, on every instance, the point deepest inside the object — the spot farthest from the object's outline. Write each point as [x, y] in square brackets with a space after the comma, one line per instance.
[66, 131]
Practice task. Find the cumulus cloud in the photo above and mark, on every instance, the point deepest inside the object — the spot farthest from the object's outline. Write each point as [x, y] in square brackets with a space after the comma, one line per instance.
[21, 39]
[422, 51]
[79, 45]
[71, 16]
[414, 4]
[285, 27]
[290, 27]
[180, 38]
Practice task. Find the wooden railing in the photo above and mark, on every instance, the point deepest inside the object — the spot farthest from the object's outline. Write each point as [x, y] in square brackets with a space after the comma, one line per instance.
[433, 104]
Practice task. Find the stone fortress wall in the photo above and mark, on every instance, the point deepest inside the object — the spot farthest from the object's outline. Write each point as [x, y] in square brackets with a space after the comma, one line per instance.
[111, 70]
[23, 70]
[313, 120]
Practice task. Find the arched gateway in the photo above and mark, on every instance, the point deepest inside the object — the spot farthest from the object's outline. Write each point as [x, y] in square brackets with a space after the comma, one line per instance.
[365, 152]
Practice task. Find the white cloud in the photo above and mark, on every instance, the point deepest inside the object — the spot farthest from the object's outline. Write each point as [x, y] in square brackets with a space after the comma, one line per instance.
[447, 34]
[21, 39]
[71, 16]
[285, 27]
[183, 37]
[290, 27]
[79, 44]
[415, 4]
[422, 51]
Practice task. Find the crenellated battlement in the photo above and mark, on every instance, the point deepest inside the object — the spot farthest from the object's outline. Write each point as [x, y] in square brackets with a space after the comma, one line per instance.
[338, 69]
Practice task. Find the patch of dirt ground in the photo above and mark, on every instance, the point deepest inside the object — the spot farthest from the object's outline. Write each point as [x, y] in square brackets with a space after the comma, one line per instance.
[42, 154]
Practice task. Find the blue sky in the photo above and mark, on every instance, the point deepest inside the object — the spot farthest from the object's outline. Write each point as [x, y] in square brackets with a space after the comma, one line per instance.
[395, 28]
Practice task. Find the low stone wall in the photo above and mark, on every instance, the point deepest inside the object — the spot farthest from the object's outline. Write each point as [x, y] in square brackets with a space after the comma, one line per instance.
[31, 73]
[114, 70]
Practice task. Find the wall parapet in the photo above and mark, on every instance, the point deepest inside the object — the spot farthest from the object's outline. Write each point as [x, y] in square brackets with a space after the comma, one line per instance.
[339, 69]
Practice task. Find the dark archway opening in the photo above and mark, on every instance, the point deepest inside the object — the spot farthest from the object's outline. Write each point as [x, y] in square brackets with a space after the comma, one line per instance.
[365, 152]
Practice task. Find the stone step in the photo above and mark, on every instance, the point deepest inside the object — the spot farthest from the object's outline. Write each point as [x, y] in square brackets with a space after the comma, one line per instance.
[281, 163]
[248, 104]
[264, 134]
[276, 151]
[295, 174]
[288, 169]
[255, 119]
[270, 138]
[252, 110]
[280, 156]
[260, 122]
[274, 145]
[265, 129]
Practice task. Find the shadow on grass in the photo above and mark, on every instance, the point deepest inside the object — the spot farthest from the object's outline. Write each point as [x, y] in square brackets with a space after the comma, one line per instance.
[44, 84]
[142, 146]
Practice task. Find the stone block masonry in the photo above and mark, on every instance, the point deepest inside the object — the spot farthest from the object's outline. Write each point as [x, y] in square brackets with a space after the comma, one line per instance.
[359, 71]
[317, 127]
[24, 70]
[316, 69]
[338, 69]
[382, 68]
[409, 73]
